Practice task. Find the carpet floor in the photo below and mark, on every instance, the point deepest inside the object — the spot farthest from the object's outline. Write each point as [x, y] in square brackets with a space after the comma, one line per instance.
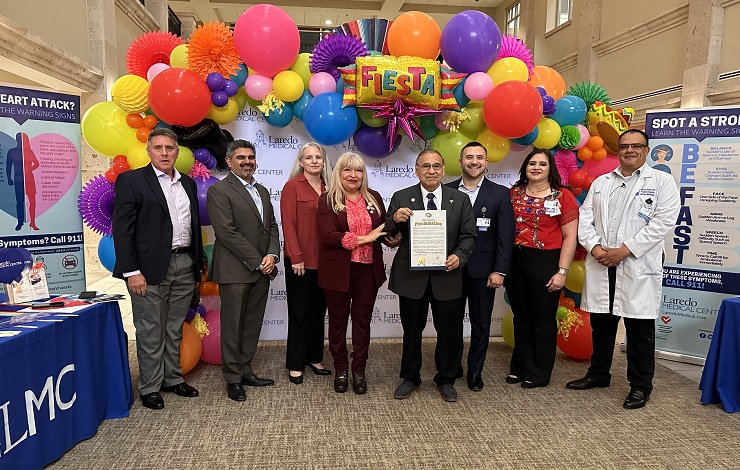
[308, 426]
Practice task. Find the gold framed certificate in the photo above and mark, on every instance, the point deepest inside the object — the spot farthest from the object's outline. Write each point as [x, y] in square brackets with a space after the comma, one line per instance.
[428, 239]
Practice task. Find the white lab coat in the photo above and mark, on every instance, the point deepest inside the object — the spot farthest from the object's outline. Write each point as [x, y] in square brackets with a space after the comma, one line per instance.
[640, 275]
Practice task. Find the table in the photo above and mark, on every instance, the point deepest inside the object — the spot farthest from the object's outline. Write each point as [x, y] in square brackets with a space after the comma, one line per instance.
[720, 381]
[59, 381]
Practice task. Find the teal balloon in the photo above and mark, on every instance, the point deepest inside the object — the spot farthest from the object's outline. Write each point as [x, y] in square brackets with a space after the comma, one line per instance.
[299, 105]
[428, 128]
[340, 86]
[375, 53]
[576, 296]
[241, 75]
[527, 139]
[569, 111]
[459, 93]
[279, 119]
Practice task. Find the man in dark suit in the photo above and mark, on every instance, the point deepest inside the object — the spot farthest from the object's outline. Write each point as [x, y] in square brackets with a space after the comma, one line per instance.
[244, 257]
[156, 234]
[489, 263]
[442, 289]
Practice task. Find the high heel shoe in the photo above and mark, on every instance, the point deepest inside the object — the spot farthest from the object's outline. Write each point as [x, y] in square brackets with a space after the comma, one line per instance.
[318, 371]
[295, 379]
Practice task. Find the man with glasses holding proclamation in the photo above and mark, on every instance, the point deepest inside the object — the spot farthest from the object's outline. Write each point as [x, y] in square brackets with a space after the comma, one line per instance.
[438, 231]
[623, 221]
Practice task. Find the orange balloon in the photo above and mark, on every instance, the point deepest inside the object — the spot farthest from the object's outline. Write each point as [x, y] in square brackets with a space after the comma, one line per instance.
[595, 143]
[191, 348]
[599, 154]
[416, 34]
[151, 121]
[143, 134]
[134, 120]
[550, 80]
[205, 289]
[214, 289]
[584, 153]
[568, 303]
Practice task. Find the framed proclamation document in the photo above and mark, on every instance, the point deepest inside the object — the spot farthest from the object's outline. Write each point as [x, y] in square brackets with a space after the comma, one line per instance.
[428, 239]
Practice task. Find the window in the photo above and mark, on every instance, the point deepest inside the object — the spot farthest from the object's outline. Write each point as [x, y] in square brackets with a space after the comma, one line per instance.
[564, 12]
[512, 20]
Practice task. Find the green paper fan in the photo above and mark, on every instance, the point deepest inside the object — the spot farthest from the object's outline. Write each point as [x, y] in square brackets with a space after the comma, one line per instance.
[569, 137]
[590, 92]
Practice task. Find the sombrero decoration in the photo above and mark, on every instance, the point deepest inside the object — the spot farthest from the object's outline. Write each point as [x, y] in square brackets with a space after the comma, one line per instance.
[608, 124]
[372, 31]
[513, 47]
[149, 49]
[211, 49]
[95, 205]
[335, 51]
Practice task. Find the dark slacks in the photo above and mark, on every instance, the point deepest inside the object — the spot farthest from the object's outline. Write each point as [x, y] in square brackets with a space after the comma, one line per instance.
[306, 311]
[535, 327]
[242, 313]
[357, 303]
[640, 345]
[447, 316]
[480, 307]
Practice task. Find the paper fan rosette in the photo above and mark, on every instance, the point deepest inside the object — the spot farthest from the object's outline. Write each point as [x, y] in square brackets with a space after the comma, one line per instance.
[95, 205]
[566, 163]
[334, 51]
[513, 47]
[590, 92]
[149, 49]
[212, 49]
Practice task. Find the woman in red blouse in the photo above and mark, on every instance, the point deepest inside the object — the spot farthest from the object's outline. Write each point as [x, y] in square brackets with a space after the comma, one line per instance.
[546, 218]
[306, 304]
[350, 220]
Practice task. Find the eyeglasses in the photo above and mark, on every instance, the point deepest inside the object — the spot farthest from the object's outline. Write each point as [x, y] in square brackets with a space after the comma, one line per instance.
[634, 146]
[426, 167]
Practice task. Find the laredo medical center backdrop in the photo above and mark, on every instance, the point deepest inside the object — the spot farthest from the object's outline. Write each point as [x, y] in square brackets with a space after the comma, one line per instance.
[40, 179]
[701, 149]
[277, 149]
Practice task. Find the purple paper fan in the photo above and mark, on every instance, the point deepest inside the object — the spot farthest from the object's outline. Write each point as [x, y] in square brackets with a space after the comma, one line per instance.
[95, 204]
[336, 50]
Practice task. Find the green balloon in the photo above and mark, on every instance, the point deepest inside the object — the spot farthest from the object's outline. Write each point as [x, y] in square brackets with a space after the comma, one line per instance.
[476, 124]
[366, 116]
[562, 313]
[428, 128]
[507, 329]
[449, 144]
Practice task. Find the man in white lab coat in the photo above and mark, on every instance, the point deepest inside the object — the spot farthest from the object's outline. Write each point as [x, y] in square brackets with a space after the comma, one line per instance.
[623, 222]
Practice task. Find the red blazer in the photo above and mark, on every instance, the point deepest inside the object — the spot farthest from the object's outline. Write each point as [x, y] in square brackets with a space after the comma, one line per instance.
[334, 259]
[298, 211]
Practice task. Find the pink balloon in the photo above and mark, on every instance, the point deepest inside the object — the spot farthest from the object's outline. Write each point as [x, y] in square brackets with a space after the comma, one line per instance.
[478, 85]
[155, 70]
[210, 302]
[438, 121]
[212, 342]
[594, 168]
[266, 39]
[322, 82]
[584, 136]
[258, 86]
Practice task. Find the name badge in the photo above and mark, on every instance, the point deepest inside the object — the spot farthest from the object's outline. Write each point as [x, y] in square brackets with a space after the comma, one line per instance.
[483, 223]
[552, 207]
[646, 213]
[647, 192]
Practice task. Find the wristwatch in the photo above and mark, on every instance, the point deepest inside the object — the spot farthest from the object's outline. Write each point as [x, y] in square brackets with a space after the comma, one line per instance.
[563, 271]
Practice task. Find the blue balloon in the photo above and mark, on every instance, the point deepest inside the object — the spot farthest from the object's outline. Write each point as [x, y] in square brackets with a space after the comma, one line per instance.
[327, 122]
[299, 105]
[527, 139]
[569, 111]
[459, 93]
[241, 76]
[340, 86]
[280, 119]
[107, 253]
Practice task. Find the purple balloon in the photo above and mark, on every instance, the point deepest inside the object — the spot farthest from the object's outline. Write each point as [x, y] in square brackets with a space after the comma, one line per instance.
[542, 91]
[373, 141]
[211, 162]
[202, 155]
[219, 98]
[230, 88]
[215, 81]
[548, 105]
[190, 315]
[202, 192]
[471, 41]
[201, 309]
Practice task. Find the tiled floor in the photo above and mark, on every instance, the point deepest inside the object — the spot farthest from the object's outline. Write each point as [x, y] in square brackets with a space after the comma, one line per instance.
[109, 285]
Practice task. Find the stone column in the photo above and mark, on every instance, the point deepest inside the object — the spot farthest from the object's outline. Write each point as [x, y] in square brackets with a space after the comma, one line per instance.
[188, 24]
[702, 51]
[158, 10]
[589, 20]
[526, 23]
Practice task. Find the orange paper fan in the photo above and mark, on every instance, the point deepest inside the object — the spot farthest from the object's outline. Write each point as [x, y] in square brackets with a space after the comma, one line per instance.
[211, 49]
[149, 49]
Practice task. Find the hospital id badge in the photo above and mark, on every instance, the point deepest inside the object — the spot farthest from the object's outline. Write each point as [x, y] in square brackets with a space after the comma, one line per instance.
[646, 214]
[483, 223]
[552, 207]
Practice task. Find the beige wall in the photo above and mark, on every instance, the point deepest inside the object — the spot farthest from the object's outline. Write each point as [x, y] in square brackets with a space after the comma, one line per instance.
[619, 15]
[553, 46]
[729, 57]
[126, 32]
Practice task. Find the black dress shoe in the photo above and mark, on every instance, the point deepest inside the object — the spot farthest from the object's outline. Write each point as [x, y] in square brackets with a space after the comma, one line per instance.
[182, 389]
[255, 381]
[636, 399]
[152, 401]
[295, 379]
[513, 379]
[585, 383]
[528, 384]
[475, 383]
[236, 392]
[317, 371]
[359, 383]
[341, 382]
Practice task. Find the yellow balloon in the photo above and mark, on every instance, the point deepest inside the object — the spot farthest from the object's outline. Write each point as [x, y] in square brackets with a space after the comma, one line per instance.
[508, 68]
[507, 329]
[131, 93]
[497, 147]
[449, 145]
[241, 98]
[366, 116]
[226, 114]
[185, 160]
[288, 86]
[301, 67]
[137, 156]
[576, 276]
[549, 134]
[476, 124]
[179, 56]
[105, 130]
[204, 236]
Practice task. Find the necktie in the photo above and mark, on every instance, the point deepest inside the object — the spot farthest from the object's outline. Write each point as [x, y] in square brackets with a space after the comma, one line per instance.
[431, 206]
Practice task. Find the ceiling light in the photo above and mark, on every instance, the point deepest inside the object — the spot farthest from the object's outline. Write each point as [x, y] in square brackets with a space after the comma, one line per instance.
[328, 22]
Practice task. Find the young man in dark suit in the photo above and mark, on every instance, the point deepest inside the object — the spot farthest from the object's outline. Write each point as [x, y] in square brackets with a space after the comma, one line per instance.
[489, 263]
[442, 289]
[156, 234]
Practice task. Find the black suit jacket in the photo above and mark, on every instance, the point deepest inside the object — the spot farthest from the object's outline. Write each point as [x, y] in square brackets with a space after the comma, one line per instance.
[142, 229]
[493, 247]
[460, 241]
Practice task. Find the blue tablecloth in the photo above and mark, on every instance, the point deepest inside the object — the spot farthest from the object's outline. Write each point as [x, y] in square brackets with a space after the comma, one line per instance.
[720, 381]
[59, 381]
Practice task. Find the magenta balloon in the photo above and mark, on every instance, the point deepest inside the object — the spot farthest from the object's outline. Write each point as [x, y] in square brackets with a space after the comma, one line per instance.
[212, 342]
[470, 41]
[266, 39]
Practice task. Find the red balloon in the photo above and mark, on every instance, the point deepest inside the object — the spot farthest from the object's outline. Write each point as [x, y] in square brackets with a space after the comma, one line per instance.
[580, 253]
[512, 109]
[589, 181]
[119, 167]
[579, 344]
[577, 178]
[267, 39]
[179, 97]
[211, 352]
[111, 175]
[120, 158]
[576, 191]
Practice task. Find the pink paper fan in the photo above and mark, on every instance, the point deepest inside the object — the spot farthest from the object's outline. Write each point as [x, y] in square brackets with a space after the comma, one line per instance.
[149, 49]
[566, 163]
[336, 50]
[513, 47]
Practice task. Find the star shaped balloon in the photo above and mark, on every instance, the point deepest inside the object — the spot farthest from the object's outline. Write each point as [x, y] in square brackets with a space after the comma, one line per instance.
[400, 114]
